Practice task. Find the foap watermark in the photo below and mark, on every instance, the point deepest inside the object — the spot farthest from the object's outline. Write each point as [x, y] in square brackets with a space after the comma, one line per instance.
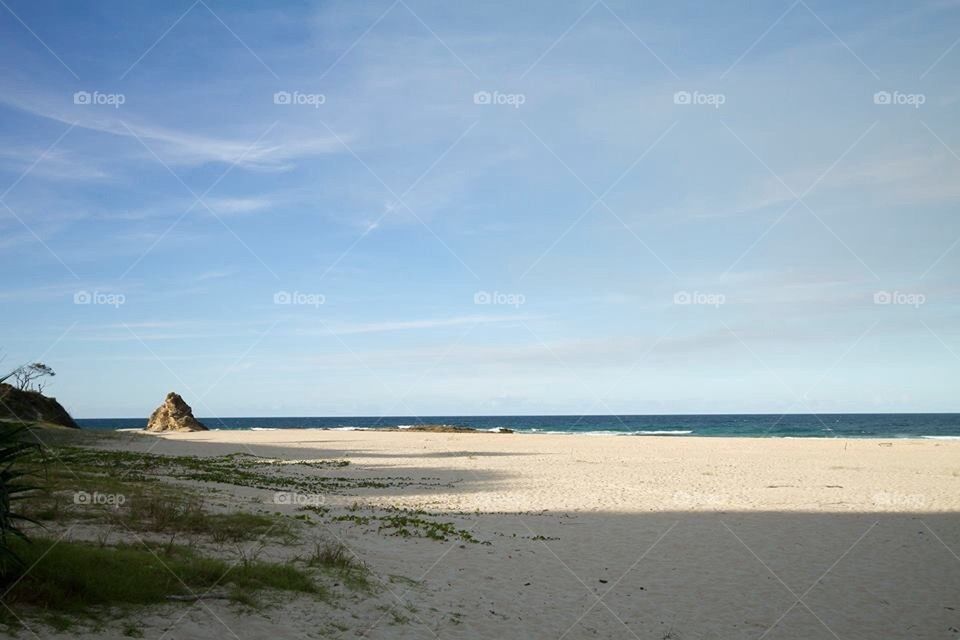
[899, 98]
[100, 298]
[699, 297]
[299, 298]
[297, 499]
[100, 499]
[496, 98]
[95, 98]
[497, 298]
[714, 100]
[299, 98]
[900, 298]
[895, 499]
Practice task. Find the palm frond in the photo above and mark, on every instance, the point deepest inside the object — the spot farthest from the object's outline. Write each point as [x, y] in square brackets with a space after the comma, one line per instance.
[13, 450]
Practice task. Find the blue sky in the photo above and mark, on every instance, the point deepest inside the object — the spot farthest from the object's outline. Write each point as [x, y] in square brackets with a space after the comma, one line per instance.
[428, 208]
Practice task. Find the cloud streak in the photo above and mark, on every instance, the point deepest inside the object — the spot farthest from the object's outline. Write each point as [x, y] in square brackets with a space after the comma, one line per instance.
[179, 147]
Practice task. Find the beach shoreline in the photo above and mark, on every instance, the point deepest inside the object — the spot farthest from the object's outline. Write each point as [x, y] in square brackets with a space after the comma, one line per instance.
[940, 425]
[521, 432]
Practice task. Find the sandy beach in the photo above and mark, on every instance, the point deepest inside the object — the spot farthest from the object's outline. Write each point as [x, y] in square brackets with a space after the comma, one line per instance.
[420, 320]
[625, 537]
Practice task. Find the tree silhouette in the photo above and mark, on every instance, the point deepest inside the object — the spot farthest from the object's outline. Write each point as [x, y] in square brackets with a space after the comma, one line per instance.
[30, 376]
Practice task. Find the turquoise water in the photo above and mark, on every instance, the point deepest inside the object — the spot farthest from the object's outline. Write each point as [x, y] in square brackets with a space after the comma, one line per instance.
[844, 425]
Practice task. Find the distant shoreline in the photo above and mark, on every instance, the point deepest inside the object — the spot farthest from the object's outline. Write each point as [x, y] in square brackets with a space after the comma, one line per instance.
[856, 426]
[591, 434]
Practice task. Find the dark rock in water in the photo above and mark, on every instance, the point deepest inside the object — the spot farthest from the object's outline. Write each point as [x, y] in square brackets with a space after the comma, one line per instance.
[32, 407]
[440, 428]
[449, 428]
[174, 415]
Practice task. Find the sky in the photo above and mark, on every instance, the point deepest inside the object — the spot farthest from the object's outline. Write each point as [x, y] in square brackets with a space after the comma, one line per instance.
[433, 208]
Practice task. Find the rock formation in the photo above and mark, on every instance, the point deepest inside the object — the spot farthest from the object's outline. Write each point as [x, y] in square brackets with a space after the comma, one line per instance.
[174, 415]
[33, 407]
[440, 428]
[449, 428]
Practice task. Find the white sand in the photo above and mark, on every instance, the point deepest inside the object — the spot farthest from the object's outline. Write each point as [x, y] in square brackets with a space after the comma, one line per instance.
[631, 537]
[620, 474]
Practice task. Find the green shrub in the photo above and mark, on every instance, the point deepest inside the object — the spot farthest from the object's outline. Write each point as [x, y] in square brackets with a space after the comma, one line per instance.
[13, 448]
[71, 577]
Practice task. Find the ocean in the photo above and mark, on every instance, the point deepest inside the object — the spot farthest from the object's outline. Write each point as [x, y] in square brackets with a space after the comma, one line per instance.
[841, 425]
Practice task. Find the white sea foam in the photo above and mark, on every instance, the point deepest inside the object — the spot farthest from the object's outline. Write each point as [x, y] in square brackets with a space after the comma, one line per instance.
[663, 433]
[656, 432]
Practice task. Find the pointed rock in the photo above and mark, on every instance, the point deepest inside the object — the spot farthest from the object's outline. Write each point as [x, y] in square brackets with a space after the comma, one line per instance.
[174, 415]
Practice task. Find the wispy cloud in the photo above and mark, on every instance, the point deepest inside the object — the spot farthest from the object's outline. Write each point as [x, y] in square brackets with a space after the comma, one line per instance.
[178, 147]
[408, 325]
[56, 164]
[234, 206]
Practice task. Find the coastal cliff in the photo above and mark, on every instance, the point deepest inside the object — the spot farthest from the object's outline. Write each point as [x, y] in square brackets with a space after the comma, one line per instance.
[32, 406]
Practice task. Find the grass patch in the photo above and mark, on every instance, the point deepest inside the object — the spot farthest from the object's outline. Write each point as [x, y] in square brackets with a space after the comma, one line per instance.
[78, 579]
[141, 503]
[337, 558]
[239, 469]
[89, 583]
[155, 507]
[410, 524]
[185, 514]
[355, 519]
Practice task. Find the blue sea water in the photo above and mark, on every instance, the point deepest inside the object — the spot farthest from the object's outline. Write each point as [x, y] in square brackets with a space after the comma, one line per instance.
[842, 425]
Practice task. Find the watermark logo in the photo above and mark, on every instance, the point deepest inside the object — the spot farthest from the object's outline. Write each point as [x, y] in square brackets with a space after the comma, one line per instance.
[699, 297]
[298, 98]
[899, 298]
[714, 100]
[514, 100]
[893, 499]
[100, 298]
[298, 499]
[299, 298]
[514, 300]
[96, 98]
[101, 499]
[899, 98]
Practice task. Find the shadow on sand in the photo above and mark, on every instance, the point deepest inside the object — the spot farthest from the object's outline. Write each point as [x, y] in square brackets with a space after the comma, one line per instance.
[702, 573]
